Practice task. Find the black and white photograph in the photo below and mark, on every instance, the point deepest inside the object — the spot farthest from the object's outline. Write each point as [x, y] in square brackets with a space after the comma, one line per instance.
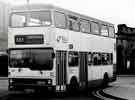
[67, 50]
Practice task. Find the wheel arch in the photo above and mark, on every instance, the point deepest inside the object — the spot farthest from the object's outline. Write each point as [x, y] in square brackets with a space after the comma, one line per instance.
[74, 78]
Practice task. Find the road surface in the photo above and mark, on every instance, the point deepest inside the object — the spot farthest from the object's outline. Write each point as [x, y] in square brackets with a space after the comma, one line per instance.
[123, 82]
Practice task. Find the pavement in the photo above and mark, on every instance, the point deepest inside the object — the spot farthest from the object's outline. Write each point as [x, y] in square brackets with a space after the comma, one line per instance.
[123, 88]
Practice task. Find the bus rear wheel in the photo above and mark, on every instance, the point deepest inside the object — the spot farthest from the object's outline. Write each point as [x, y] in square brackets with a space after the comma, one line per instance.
[105, 80]
[73, 87]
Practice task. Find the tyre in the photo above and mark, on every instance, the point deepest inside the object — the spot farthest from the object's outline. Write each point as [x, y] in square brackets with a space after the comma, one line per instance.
[73, 87]
[105, 80]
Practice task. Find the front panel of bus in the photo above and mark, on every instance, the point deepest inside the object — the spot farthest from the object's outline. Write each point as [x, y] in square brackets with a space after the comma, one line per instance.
[31, 52]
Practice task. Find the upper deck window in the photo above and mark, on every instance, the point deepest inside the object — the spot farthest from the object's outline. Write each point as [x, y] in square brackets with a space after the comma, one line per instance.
[34, 18]
[111, 32]
[60, 20]
[95, 28]
[84, 26]
[104, 30]
[73, 23]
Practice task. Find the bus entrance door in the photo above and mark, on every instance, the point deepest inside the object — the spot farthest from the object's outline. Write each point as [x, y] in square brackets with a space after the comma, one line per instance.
[83, 72]
[61, 71]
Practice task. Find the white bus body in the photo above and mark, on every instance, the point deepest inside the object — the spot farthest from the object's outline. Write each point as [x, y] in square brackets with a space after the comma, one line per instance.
[72, 55]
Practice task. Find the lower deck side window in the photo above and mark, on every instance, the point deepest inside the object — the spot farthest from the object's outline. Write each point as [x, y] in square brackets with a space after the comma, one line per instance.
[98, 58]
[73, 59]
[93, 58]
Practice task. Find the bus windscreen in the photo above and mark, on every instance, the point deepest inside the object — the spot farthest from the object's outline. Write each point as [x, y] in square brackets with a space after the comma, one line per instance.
[35, 59]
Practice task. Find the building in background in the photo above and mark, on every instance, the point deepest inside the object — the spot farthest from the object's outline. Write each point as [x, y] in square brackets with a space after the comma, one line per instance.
[4, 19]
[125, 50]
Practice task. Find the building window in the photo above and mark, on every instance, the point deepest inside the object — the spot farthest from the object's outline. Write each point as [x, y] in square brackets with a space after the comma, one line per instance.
[104, 30]
[84, 26]
[60, 20]
[73, 59]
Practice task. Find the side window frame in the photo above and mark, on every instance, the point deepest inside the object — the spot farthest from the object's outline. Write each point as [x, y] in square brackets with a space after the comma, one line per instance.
[101, 28]
[71, 22]
[111, 33]
[105, 58]
[89, 57]
[88, 26]
[64, 17]
[91, 27]
[72, 53]
[98, 58]
[111, 58]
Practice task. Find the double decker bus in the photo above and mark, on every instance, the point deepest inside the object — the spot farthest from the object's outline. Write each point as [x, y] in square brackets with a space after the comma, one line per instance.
[50, 47]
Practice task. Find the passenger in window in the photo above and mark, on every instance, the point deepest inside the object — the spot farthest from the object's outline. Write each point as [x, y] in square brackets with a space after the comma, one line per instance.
[104, 59]
[95, 61]
[89, 59]
[108, 59]
[99, 59]
[70, 25]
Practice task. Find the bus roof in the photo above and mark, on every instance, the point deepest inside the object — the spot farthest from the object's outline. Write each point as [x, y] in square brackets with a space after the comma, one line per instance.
[40, 7]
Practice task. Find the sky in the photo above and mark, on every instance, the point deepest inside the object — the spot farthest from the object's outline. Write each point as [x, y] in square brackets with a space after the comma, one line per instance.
[113, 11]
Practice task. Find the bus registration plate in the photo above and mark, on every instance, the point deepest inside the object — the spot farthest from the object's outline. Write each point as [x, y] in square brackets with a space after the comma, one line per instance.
[41, 83]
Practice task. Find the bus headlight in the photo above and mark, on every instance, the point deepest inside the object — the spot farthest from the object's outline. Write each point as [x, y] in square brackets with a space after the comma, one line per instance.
[49, 81]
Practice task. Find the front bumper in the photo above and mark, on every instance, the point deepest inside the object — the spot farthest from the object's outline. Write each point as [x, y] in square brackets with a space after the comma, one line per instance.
[22, 84]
